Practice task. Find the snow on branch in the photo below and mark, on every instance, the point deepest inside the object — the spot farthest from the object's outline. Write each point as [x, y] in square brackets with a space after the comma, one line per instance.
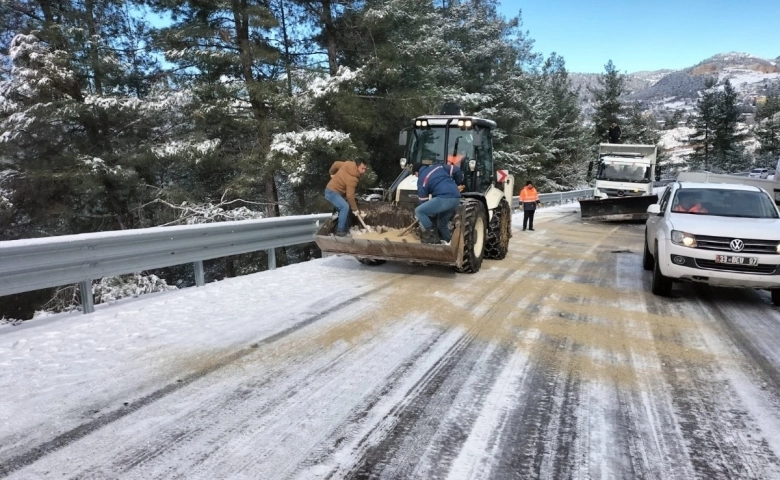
[197, 213]
[163, 102]
[111, 289]
[98, 165]
[186, 149]
[106, 290]
[294, 149]
[5, 191]
[321, 86]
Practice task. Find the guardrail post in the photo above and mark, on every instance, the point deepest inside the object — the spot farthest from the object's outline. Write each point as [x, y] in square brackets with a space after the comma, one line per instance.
[561, 194]
[200, 274]
[271, 259]
[87, 301]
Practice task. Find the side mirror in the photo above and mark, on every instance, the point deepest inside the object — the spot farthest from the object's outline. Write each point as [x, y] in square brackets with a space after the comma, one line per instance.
[476, 137]
[654, 209]
[590, 168]
[402, 137]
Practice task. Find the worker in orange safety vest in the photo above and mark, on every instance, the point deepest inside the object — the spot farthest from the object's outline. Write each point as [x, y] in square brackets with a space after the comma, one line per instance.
[529, 197]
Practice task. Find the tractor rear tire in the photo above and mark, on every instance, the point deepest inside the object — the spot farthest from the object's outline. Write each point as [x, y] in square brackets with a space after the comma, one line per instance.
[499, 232]
[474, 235]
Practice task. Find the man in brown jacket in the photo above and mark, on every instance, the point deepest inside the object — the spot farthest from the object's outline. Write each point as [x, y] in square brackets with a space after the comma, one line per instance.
[344, 177]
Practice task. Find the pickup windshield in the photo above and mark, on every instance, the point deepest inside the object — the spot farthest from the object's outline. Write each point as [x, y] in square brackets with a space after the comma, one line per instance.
[723, 203]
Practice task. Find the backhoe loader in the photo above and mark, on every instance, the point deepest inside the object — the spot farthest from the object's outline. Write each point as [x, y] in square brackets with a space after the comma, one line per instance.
[482, 224]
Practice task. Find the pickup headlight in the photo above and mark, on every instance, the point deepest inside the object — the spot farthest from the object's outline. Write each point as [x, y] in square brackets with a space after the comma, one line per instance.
[685, 239]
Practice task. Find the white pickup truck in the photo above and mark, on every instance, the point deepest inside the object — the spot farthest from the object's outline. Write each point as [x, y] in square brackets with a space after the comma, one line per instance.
[715, 233]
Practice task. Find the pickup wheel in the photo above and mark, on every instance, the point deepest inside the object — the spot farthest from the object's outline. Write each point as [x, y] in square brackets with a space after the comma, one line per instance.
[662, 285]
[775, 296]
[647, 258]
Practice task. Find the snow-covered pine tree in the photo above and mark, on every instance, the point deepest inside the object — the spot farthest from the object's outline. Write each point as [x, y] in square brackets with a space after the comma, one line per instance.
[224, 56]
[704, 123]
[716, 140]
[767, 131]
[74, 118]
[608, 106]
[567, 137]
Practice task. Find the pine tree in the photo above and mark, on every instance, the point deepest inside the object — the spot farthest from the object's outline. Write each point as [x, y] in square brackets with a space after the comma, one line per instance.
[609, 108]
[768, 130]
[231, 68]
[716, 140]
[704, 124]
[671, 121]
[640, 127]
[566, 134]
[74, 118]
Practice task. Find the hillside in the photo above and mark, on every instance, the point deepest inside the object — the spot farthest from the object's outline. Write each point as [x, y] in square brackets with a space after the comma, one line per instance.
[751, 76]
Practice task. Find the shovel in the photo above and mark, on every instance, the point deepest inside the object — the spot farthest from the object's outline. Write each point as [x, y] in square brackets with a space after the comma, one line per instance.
[365, 227]
[408, 229]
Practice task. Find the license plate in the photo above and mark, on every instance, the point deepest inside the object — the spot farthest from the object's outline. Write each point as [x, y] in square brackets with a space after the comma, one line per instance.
[736, 260]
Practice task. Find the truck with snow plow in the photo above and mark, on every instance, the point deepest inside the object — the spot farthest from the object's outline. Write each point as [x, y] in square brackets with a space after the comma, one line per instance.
[624, 183]
[481, 226]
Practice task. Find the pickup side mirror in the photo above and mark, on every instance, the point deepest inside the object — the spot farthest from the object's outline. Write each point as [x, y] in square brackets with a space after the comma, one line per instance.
[654, 209]
[590, 169]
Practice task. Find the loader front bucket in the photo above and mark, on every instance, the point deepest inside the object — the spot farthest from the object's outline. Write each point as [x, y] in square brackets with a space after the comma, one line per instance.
[382, 240]
[617, 208]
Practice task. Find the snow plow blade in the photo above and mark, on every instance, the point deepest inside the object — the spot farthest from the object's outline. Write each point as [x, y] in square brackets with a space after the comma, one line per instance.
[617, 208]
[382, 241]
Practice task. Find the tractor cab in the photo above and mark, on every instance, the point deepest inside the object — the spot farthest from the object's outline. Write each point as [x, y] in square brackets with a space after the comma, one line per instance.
[459, 140]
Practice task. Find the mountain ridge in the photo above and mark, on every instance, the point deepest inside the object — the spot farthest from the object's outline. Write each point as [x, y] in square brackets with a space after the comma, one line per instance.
[750, 75]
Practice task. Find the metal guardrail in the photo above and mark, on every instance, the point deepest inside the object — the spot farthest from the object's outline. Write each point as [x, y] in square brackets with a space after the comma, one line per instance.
[37, 263]
[559, 197]
[33, 264]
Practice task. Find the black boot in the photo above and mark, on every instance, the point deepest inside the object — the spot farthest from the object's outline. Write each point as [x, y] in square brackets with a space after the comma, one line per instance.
[428, 236]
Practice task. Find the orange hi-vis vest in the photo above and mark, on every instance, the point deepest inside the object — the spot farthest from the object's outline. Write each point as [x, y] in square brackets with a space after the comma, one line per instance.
[529, 195]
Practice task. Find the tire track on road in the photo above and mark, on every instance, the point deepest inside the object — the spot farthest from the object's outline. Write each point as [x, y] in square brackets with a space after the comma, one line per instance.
[16, 462]
[720, 437]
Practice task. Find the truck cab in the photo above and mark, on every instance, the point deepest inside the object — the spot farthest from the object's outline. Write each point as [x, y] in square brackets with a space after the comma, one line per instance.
[625, 170]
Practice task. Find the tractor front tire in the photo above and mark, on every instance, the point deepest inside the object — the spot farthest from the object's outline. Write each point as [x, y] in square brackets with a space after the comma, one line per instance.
[474, 218]
[499, 232]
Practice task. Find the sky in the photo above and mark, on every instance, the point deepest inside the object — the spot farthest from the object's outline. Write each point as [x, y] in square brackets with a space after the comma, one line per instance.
[647, 35]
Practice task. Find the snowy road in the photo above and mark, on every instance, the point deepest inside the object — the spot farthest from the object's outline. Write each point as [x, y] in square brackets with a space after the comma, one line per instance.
[554, 363]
